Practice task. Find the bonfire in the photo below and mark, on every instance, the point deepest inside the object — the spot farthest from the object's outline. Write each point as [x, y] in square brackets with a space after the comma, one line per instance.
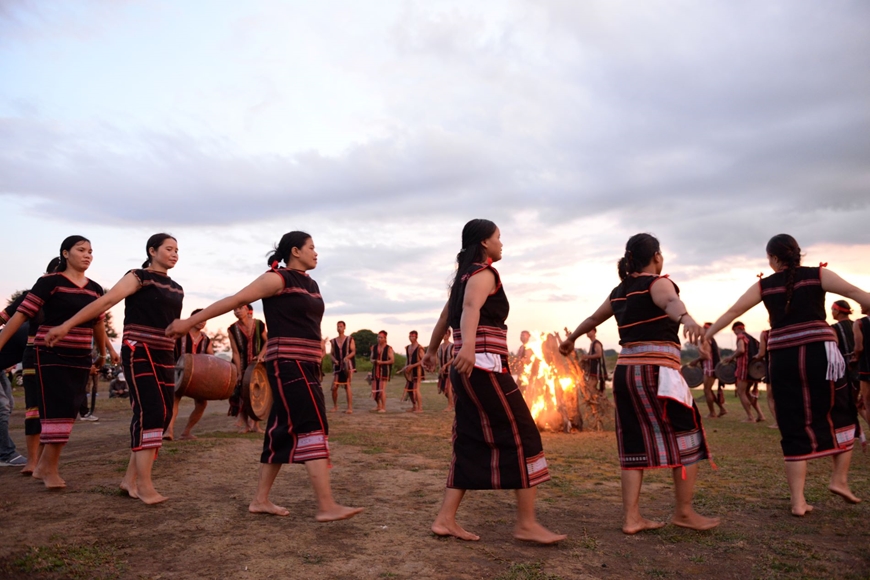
[555, 388]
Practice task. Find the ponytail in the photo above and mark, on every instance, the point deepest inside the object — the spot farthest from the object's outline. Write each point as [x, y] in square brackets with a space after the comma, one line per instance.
[283, 249]
[786, 250]
[52, 265]
[639, 252]
[155, 242]
[66, 246]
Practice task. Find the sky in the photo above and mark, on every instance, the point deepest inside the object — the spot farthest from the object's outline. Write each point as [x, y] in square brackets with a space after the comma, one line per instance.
[381, 128]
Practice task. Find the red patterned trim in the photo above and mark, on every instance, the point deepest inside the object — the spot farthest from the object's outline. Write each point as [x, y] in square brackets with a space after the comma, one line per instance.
[78, 337]
[489, 339]
[294, 348]
[154, 337]
[657, 353]
[31, 305]
[799, 334]
[55, 431]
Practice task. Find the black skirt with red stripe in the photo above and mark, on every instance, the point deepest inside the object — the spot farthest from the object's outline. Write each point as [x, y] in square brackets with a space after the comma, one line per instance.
[654, 432]
[62, 377]
[815, 417]
[297, 430]
[496, 444]
[31, 392]
[150, 373]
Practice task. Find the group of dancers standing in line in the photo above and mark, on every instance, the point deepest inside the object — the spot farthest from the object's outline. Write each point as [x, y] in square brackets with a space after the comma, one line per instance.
[496, 444]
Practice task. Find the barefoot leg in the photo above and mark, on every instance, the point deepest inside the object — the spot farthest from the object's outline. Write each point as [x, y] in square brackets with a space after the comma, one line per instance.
[840, 477]
[709, 396]
[195, 416]
[632, 481]
[327, 508]
[684, 489]
[742, 387]
[47, 469]
[527, 527]
[349, 392]
[445, 522]
[261, 504]
[144, 460]
[128, 483]
[796, 473]
[169, 432]
[34, 451]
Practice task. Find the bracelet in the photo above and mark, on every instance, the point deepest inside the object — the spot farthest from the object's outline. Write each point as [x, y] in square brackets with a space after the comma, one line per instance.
[680, 319]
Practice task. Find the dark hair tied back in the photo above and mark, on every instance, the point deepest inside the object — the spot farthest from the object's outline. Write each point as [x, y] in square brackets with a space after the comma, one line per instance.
[155, 242]
[52, 265]
[66, 246]
[786, 250]
[290, 240]
[472, 252]
[639, 252]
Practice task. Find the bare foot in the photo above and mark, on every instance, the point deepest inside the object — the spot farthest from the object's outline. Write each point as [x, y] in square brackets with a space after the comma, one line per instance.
[130, 488]
[774, 426]
[845, 493]
[723, 412]
[695, 521]
[640, 526]
[188, 437]
[28, 469]
[418, 410]
[748, 420]
[168, 437]
[53, 482]
[334, 410]
[382, 410]
[339, 512]
[267, 507]
[455, 530]
[712, 416]
[801, 510]
[37, 474]
[761, 419]
[538, 534]
[409, 411]
[349, 412]
[151, 498]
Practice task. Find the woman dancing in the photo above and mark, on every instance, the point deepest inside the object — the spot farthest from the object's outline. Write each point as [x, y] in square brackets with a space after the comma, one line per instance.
[496, 444]
[815, 418]
[297, 430]
[657, 422]
[62, 367]
[151, 301]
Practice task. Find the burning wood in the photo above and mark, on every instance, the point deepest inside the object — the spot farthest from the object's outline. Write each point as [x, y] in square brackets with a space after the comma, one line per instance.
[555, 388]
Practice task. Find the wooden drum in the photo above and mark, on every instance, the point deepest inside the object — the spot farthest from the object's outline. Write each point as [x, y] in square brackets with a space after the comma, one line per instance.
[256, 392]
[205, 377]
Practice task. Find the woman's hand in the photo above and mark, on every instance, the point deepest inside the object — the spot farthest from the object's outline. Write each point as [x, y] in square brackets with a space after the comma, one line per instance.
[56, 334]
[178, 328]
[429, 361]
[464, 361]
[566, 347]
[692, 331]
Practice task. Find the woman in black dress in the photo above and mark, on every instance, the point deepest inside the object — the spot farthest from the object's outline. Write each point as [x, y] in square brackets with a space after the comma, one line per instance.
[815, 417]
[152, 301]
[657, 422]
[297, 429]
[62, 367]
[496, 444]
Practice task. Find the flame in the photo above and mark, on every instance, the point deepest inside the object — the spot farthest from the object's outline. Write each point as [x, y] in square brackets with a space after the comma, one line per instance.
[544, 388]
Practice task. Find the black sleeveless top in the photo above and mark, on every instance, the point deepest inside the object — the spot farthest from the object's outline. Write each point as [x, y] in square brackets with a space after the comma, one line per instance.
[491, 329]
[248, 346]
[845, 336]
[595, 363]
[381, 371]
[60, 299]
[637, 316]
[293, 317]
[414, 356]
[186, 345]
[151, 309]
[804, 322]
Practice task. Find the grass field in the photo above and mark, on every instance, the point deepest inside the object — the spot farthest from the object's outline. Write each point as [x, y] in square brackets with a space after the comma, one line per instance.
[395, 466]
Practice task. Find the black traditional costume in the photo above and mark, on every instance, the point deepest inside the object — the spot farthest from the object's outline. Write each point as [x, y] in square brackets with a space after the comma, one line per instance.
[28, 367]
[148, 356]
[62, 371]
[815, 418]
[297, 430]
[657, 421]
[381, 372]
[343, 370]
[496, 444]
[445, 355]
[249, 347]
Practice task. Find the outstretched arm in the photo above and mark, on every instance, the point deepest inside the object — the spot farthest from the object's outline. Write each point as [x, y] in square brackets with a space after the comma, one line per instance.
[749, 299]
[266, 285]
[831, 282]
[604, 312]
[665, 296]
[126, 286]
[11, 327]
